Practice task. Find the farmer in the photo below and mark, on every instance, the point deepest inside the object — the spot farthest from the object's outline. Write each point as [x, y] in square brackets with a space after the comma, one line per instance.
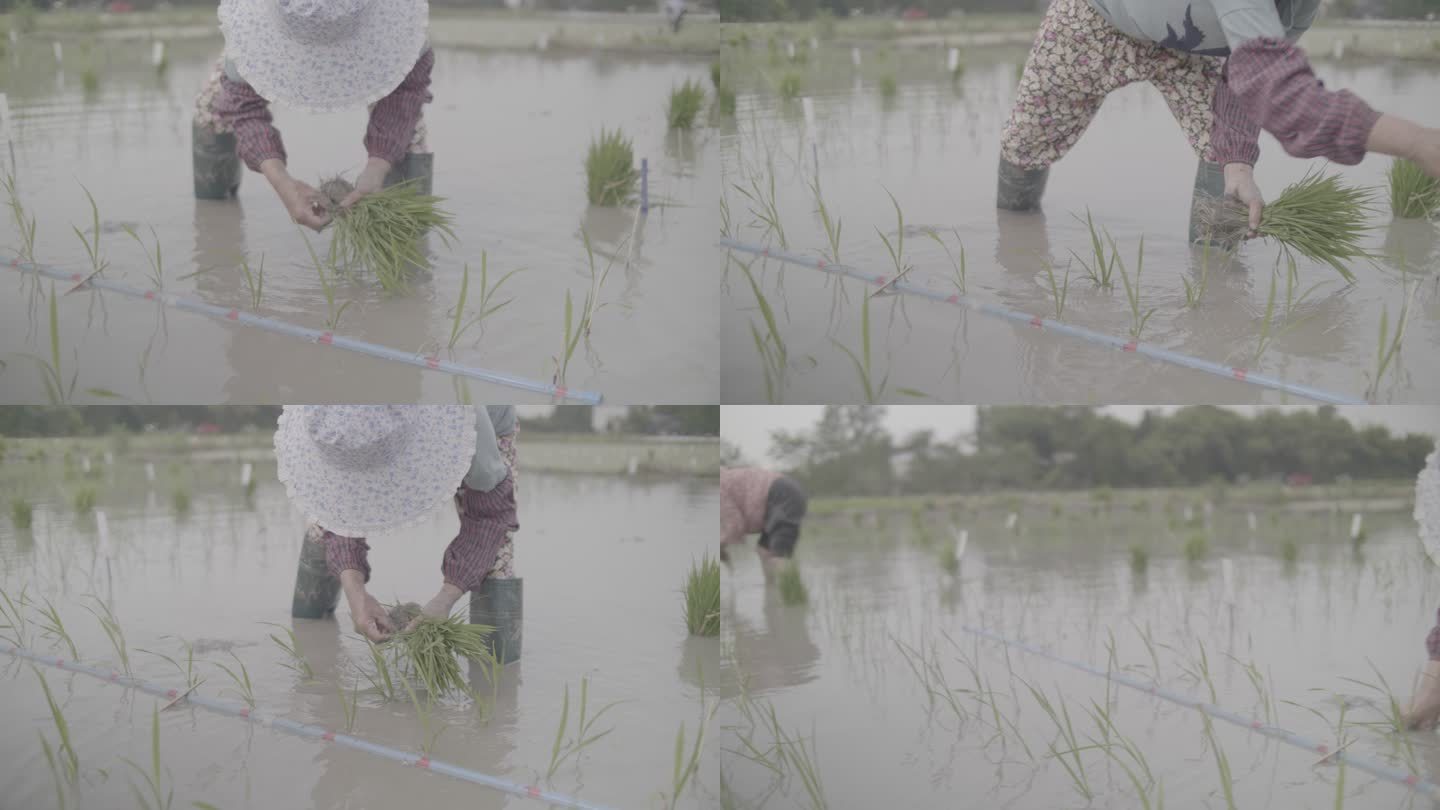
[753, 501]
[1424, 709]
[1227, 69]
[359, 469]
[321, 56]
[675, 12]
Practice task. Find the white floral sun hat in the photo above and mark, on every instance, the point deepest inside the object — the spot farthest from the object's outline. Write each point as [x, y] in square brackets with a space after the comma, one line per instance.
[361, 469]
[1427, 504]
[324, 55]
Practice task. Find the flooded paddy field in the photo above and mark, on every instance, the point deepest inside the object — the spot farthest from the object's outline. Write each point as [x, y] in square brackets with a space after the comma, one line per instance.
[887, 116]
[510, 125]
[194, 560]
[879, 694]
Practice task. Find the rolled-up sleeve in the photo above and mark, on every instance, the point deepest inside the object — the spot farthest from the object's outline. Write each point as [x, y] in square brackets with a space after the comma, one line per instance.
[486, 519]
[1268, 84]
[247, 113]
[393, 119]
[346, 553]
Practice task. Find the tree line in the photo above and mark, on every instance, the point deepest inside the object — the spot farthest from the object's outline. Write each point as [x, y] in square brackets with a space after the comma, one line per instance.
[793, 10]
[850, 452]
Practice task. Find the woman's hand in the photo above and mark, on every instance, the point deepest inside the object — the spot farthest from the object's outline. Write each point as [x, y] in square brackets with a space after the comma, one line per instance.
[440, 606]
[1424, 709]
[305, 204]
[371, 620]
[1240, 184]
[371, 180]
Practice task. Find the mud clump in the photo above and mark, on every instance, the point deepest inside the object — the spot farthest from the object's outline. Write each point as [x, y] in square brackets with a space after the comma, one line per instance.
[401, 615]
[335, 190]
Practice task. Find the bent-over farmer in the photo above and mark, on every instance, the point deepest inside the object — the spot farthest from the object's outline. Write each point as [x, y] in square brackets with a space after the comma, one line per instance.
[359, 469]
[764, 502]
[322, 56]
[1226, 68]
[1424, 711]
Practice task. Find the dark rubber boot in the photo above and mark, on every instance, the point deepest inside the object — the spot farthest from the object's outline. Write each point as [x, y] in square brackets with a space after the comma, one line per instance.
[499, 604]
[419, 167]
[217, 164]
[1209, 191]
[1020, 189]
[316, 591]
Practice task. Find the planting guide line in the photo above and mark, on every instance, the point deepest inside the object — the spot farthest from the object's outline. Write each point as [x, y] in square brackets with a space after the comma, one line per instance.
[1382, 772]
[321, 336]
[1048, 324]
[304, 730]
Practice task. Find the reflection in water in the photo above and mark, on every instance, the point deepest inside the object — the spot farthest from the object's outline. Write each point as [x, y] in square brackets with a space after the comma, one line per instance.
[778, 655]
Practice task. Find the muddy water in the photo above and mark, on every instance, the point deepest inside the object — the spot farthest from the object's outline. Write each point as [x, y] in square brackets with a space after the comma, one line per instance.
[1066, 583]
[212, 576]
[509, 131]
[935, 144]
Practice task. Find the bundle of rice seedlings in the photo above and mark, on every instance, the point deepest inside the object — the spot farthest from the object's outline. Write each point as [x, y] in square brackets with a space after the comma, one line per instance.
[610, 174]
[792, 586]
[702, 598]
[1318, 217]
[432, 651]
[1413, 193]
[381, 232]
[685, 103]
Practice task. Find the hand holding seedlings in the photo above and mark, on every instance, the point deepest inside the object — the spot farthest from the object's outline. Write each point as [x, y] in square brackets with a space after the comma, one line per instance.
[1240, 184]
[305, 204]
[371, 180]
[371, 620]
[439, 607]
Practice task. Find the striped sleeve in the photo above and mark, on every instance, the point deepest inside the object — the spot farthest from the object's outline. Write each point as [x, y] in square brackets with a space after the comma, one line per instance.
[247, 113]
[345, 553]
[1268, 84]
[486, 518]
[393, 119]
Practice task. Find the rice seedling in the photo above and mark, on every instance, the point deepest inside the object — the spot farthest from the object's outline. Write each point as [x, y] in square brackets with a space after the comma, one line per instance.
[725, 100]
[800, 759]
[1196, 548]
[25, 15]
[381, 232]
[1413, 193]
[1222, 763]
[84, 499]
[429, 651]
[791, 585]
[154, 796]
[425, 710]
[1389, 344]
[1289, 551]
[53, 628]
[1069, 755]
[1318, 217]
[459, 325]
[1139, 559]
[22, 513]
[156, 262]
[949, 560]
[295, 657]
[1195, 291]
[24, 224]
[863, 368]
[1059, 293]
[69, 760]
[610, 173]
[790, 85]
[1103, 268]
[770, 346]
[92, 245]
[574, 331]
[55, 769]
[1132, 291]
[888, 87]
[380, 679]
[715, 75]
[254, 280]
[685, 103]
[833, 225]
[567, 747]
[958, 266]
[89, 82]
[14, 619]
[180, 500]
[192, 678]
[327, 286]
[702, 598]
[687, 766]
[763, 204]
[240, 676]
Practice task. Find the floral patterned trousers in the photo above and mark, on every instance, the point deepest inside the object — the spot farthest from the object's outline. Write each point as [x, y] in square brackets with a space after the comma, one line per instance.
[206, 117]
[1078, 58]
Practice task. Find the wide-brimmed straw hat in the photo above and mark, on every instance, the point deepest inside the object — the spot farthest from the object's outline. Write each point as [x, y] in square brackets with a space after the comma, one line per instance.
[324, 55]
[361, 469]
[1427, 504]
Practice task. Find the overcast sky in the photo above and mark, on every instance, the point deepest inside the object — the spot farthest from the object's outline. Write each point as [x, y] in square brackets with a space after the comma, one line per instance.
[749, 426]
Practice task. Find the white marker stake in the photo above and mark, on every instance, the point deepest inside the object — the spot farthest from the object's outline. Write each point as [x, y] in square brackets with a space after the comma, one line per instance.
[102, 528]
[149, 472]
[1356, 523]
[814, 44]
[807, 105]
[85, 463]
[634, 465]
[246, 470]
[1337, 50]
[157, 54]
[1189, 513]
[59, 53]
[790, 50]
[1227, 578]
[953, 60]
[543, 42]
[14, 37]
[1250, 518]
[5, 117]
[855, 57]
[962, 539]
[109, 458]
[1011, 521]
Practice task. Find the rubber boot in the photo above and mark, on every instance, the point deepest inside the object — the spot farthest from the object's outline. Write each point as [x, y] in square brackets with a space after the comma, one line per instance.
[1020, 189]
[217, 164]
[316, 591]
[416, 166]
[1209, 191]
[498, 604]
